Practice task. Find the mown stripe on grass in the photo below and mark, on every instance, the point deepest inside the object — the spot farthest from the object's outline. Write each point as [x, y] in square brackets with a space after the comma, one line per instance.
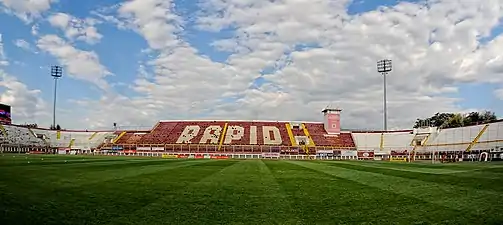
[465, 200]
[67, 176]
[100, 202]
[486, 171]
[241, 193]
[424, 164]
[401, 167]
[322, 198]
[473, 182]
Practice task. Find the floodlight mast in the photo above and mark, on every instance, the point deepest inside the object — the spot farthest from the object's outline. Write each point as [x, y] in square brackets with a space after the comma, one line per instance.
[384, 67]
[56, 73]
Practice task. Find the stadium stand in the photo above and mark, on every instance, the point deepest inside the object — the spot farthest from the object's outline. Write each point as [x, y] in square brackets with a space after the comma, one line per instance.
[367, 140]
[397, 141]
[23, 136]
[384, 141]
[452, 139]
[72, 139]
[250, 139]
[491, 138]
[233, 133]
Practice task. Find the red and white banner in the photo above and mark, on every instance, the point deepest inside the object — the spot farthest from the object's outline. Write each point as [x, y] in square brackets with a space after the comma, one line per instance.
[365, 154]
[219, 157]
[403, 152]
[130, 151]
[37, 152]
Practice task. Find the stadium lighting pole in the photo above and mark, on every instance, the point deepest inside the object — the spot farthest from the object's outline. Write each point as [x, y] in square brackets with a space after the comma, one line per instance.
[384, 67]
[56, 73]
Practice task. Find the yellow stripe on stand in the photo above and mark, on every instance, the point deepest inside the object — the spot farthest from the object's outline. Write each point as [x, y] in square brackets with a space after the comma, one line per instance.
[306, 132]
[118, 137]
[422, 144]
[426, 139]
[381, 145]
[413, 140]
[71, 143]
[4, 132]
[222, 137]
[290, 134]
[476, 139]
[92, 136]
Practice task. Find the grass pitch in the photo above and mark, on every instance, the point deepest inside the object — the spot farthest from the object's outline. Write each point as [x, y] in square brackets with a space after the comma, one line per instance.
[115, 190]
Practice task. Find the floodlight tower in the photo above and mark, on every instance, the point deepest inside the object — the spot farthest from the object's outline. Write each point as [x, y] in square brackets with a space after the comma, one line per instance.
[56, 73]
[384, 67]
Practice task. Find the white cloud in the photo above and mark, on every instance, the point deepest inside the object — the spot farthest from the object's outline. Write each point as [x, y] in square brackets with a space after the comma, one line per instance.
[3, 58]
[27, 104]
[341, 66]
[154, 20]
[23, 44]
[27, 10]
[34, 30]
[75, 28]
[183, 82]
[83, 65]
[435, 45]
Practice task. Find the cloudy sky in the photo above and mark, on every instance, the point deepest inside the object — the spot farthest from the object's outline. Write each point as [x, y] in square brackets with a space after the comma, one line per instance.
[136, 62]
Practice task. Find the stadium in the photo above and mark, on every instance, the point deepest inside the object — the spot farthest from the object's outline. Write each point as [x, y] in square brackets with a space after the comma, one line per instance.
[266, 139]
[252, 172]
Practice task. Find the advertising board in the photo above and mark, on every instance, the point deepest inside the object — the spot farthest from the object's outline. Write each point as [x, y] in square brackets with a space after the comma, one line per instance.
[365, 154]
[5, 116]
[270, 155]
[143, 148]
[349, 153]
[166, 156]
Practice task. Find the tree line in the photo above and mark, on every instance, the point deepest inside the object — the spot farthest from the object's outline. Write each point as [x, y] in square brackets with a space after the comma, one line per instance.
[34, 125]
[451, 120]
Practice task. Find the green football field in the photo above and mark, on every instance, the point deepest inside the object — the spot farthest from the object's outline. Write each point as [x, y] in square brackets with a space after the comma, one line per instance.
[39, 189]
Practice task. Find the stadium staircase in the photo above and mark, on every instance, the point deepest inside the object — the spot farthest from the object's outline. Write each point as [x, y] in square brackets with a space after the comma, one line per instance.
[290, 134]
[222, 136]
[305, 148]
[306, 132]
[4, 132]
[381, 144]
[43, 139]
[413, 153]
[476, 139]
[92, 136]
[71, 143]
[118, 137]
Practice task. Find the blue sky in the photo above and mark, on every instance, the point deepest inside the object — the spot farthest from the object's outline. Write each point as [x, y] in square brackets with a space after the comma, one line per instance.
[270, 82]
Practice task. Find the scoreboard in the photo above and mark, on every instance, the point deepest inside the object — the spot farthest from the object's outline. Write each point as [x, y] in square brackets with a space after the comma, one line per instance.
[5, 116]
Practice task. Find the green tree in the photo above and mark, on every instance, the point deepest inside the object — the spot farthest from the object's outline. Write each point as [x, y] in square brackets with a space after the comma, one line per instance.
[488, 116]
[450, 120]
[472, 118]
[456, 120]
